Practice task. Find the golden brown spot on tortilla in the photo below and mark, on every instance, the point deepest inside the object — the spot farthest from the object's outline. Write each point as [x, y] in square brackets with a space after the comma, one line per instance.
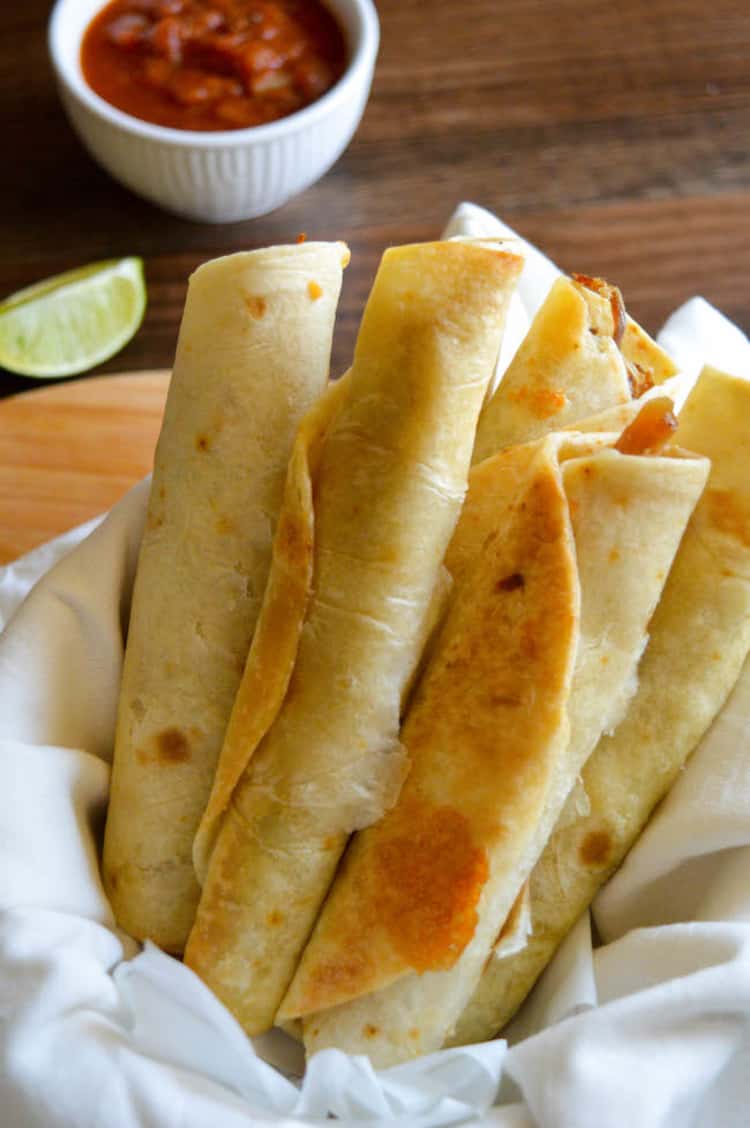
[370, 1031]
[505, 700]
[542, 499]
[727, 515]
[595, 848]
[531, 633]
[510, 583]
[336, 977]
[652, 427]
[154, 522]
[256, 305]
[614, 556]
[716, 656]
[202, 442]
[605, 659]
[225, 525]
[429, 878]
[541, 402]
[275, 918]
[315, 291]
[173, 746]
[414, 1033]
[162, 492]
[390, 554]
[113, 881]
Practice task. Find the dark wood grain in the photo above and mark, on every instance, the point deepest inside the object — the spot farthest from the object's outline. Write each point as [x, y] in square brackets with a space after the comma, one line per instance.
[613, 135]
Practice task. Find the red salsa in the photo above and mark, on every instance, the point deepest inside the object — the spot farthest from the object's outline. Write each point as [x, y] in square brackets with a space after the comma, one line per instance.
[212, 64]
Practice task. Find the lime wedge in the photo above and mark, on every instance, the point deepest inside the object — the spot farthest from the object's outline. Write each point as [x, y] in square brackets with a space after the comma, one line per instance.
[74, 321]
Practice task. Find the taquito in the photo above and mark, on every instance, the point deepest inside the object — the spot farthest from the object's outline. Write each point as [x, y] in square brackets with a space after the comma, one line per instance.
[417, 907]
[699, 639]
[386, 495]
[253, 354]
[581, 356]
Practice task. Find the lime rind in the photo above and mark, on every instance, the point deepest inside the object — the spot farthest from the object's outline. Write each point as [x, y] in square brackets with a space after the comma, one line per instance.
[57, 281]
[68, 324]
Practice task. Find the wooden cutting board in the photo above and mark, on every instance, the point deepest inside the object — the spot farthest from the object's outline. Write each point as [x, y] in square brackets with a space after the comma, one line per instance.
[69, 451]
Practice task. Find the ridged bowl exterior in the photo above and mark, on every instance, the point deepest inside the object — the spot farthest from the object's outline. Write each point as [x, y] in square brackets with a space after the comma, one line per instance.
[220, 178]
[218, 185]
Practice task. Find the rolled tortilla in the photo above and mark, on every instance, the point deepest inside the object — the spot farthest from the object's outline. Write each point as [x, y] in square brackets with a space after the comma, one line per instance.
[699, 639]
[273, 651]
[387, 494]
[406, 931]
[252, 356]
[582, 355]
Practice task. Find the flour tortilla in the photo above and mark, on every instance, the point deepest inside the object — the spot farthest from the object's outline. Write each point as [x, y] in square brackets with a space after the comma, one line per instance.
[273, 651]
[699, 639]
[386, 497]
[470, 735]
[582, 355]
[252, 356]
[567, 366]
[400, 875]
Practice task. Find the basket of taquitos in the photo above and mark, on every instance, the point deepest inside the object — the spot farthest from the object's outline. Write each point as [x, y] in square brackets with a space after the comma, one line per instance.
[431, 651]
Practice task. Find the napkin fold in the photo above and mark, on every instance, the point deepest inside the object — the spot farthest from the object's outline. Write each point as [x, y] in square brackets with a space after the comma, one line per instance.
[652, 1028]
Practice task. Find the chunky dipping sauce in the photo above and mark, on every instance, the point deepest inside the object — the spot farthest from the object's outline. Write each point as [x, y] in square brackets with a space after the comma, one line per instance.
[212, 64]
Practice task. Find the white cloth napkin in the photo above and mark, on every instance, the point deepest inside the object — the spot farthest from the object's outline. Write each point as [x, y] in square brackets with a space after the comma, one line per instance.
[652, 1029]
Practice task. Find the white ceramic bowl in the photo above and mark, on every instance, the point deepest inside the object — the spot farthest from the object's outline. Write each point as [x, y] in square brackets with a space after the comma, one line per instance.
[225, 176]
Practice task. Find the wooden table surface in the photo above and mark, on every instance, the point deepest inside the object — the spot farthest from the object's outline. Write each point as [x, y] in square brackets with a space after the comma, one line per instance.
[615, 136]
